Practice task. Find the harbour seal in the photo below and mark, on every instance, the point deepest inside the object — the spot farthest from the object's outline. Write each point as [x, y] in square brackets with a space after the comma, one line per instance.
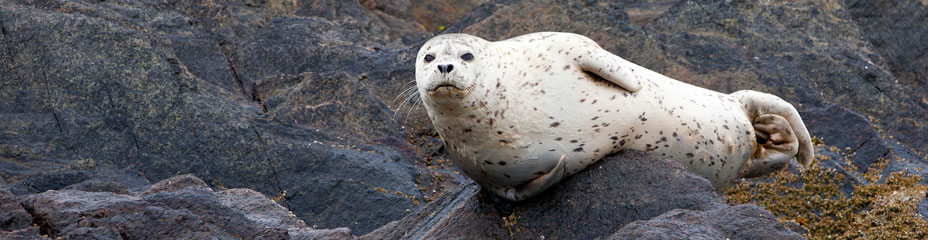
[519, 115]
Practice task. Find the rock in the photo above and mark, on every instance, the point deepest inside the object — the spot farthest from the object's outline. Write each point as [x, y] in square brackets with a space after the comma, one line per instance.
[12, 214]
[98, 185]
[642, 12]
[434, 15]
[838, 127]
[322, 234]
[603, 21]
[133, 92]
[28, 233]
[898, 34]
[48, 181]
[738, 222]
[335, 104]
[596, 202]
[177, 183]
[178, 207]
[92, 233]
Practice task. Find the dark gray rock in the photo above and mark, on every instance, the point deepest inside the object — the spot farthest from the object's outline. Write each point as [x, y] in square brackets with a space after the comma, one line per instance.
[12, 214]
[603, 21]
[836, 126]
[48, 181]
[596, 202]
[132, 92]
[28, 233]
[897, 32]
[177, 183]
[178, 207]
[98, 185]
[439, 13]
[737, 222]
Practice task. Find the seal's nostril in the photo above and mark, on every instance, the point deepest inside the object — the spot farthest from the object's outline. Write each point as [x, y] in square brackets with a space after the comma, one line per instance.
[445, 68]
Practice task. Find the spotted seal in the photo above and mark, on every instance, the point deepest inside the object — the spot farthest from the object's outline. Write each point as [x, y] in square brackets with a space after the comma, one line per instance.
[519, 115]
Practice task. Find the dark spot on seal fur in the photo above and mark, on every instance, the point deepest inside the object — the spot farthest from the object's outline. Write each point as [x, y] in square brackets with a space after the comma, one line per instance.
[555, 124]
[579, 149]
[502, 163]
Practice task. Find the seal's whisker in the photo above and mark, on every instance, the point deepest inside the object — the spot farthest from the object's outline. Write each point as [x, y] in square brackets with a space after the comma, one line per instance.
[404, 92]
[410, 111]
[412, 95]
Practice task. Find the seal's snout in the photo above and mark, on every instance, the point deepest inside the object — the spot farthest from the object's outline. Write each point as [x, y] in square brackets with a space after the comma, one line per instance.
[445, 68]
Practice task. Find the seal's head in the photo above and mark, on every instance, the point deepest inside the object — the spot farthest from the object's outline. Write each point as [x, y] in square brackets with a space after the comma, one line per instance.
[448, 66]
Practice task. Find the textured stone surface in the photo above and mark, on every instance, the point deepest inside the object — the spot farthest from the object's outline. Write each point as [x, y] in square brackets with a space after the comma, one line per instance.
[304, 100]
[179, 207]
[621, 189]
[12, 214]
[898, 33]
[138, 91]
[736, 222]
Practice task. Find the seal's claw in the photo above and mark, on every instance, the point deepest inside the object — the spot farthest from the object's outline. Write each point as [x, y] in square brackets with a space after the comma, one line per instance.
[539, 184]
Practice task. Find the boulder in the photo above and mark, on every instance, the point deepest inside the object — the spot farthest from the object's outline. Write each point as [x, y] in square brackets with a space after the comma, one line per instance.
[12, 214]
[126, 93]
[746, 221]
[597, 202]
[897, 33]
[178, 207]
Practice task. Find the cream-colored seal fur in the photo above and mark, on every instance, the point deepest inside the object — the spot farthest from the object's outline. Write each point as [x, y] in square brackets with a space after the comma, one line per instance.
[519, 115]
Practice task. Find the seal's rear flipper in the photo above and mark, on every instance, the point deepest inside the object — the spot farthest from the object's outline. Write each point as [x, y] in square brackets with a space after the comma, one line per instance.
[777, 120]
[537, 185]
[776, 145]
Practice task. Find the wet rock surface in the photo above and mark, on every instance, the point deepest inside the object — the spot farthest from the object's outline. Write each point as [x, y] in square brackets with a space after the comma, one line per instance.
[303, 101]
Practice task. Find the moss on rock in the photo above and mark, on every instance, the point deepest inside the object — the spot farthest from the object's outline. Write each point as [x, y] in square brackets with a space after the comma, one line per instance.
[882, 208]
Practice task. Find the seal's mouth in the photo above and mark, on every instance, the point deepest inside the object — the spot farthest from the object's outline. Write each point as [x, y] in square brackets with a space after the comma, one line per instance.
[447, 86]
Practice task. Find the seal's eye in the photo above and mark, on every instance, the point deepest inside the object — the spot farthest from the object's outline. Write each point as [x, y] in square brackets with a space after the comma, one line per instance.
[467, 57]
[429, 58]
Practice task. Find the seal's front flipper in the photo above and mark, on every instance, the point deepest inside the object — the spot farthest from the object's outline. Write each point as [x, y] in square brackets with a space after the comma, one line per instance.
[536, 186]
[613, 68]
[776, 145]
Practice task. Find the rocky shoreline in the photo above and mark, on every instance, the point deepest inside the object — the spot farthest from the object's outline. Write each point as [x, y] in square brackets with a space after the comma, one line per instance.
[302, 102]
